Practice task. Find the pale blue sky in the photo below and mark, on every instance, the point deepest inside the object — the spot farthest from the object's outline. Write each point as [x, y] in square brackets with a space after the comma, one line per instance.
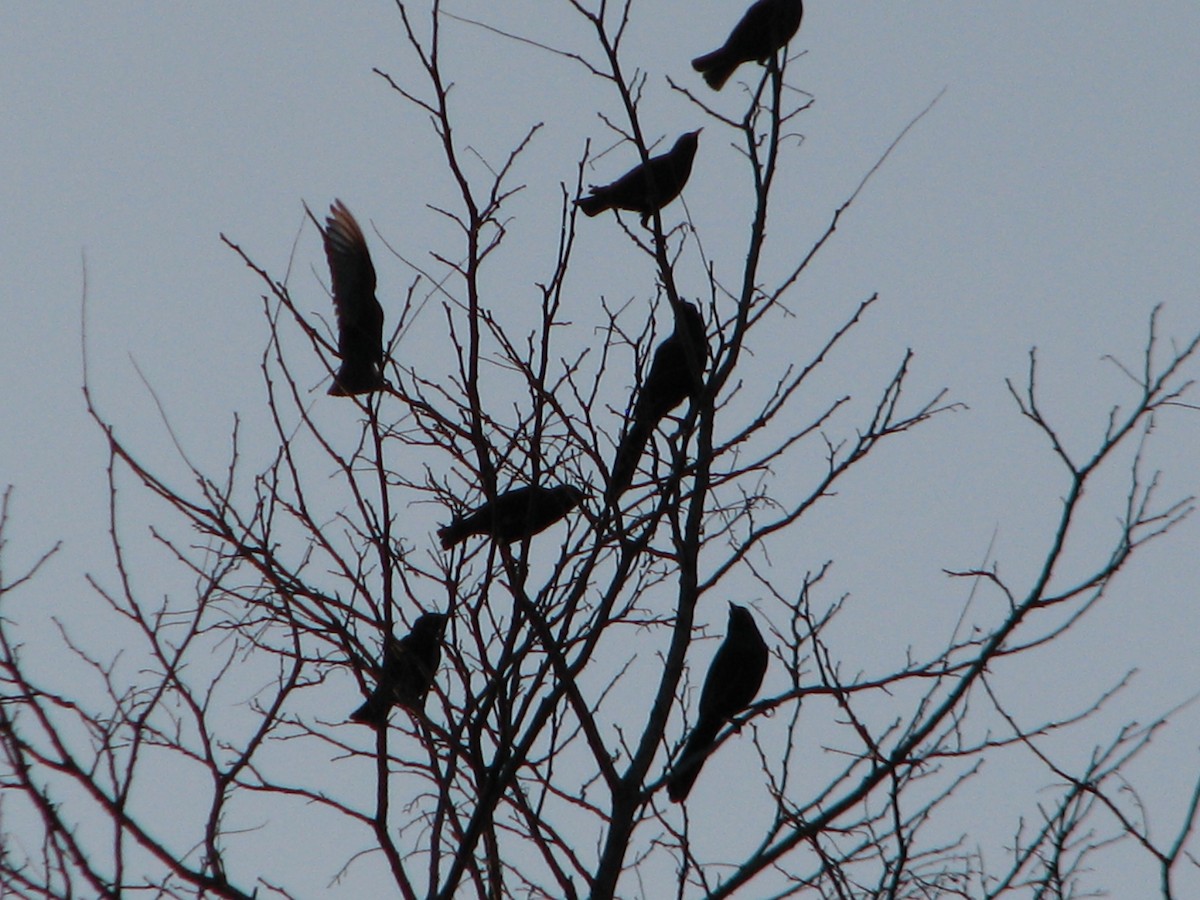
[1049, 199]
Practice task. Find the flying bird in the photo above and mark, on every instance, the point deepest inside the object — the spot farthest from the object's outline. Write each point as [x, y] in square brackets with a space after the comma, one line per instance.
[513, 515]
[732, 682]
[676, 373]
[766, 27]
[648, 187]
[359, 315]
[406, 674]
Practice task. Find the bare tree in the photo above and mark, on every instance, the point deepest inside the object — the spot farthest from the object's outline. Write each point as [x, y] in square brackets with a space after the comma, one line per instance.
[218, 740]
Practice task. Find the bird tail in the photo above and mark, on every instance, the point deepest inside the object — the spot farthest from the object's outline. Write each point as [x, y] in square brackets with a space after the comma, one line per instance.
[691, 761]
[593, 204]
[716, 68]
[372, 712]
[629, 451]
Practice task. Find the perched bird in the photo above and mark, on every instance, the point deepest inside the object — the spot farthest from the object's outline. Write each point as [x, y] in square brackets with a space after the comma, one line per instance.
[407, 671]
[733, 680]
[359, 315]
[649, 187]
[766, 27]
[676, 373]
[516, 514]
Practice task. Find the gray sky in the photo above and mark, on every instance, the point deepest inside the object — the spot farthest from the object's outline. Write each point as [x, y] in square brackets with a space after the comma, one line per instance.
[1049, 199]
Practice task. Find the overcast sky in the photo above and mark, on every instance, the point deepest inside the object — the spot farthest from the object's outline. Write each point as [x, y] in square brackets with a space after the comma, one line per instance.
[1050, 198]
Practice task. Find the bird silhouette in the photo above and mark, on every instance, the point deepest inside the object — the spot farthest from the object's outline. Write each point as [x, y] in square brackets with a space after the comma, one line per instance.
[732, 682]
[359, 315]
[648, 187]
[766, 27]
[676, 373]
[513, 515]
[406, 673]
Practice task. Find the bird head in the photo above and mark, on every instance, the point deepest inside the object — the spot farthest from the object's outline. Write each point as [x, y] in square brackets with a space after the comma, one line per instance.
[687, 143]
[689, 321]
[430, 623]
[742, 624]
[569, 495]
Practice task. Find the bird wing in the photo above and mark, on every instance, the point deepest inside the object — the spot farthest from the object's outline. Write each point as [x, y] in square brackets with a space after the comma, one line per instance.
[735, 675]
[359, 315]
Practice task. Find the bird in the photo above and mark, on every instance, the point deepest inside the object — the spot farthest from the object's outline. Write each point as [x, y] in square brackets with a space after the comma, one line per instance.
[732, 682]
[766, 27]
[359, 315]
[513, 515]
[676, 373]
[406, 673]
[648, 187]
